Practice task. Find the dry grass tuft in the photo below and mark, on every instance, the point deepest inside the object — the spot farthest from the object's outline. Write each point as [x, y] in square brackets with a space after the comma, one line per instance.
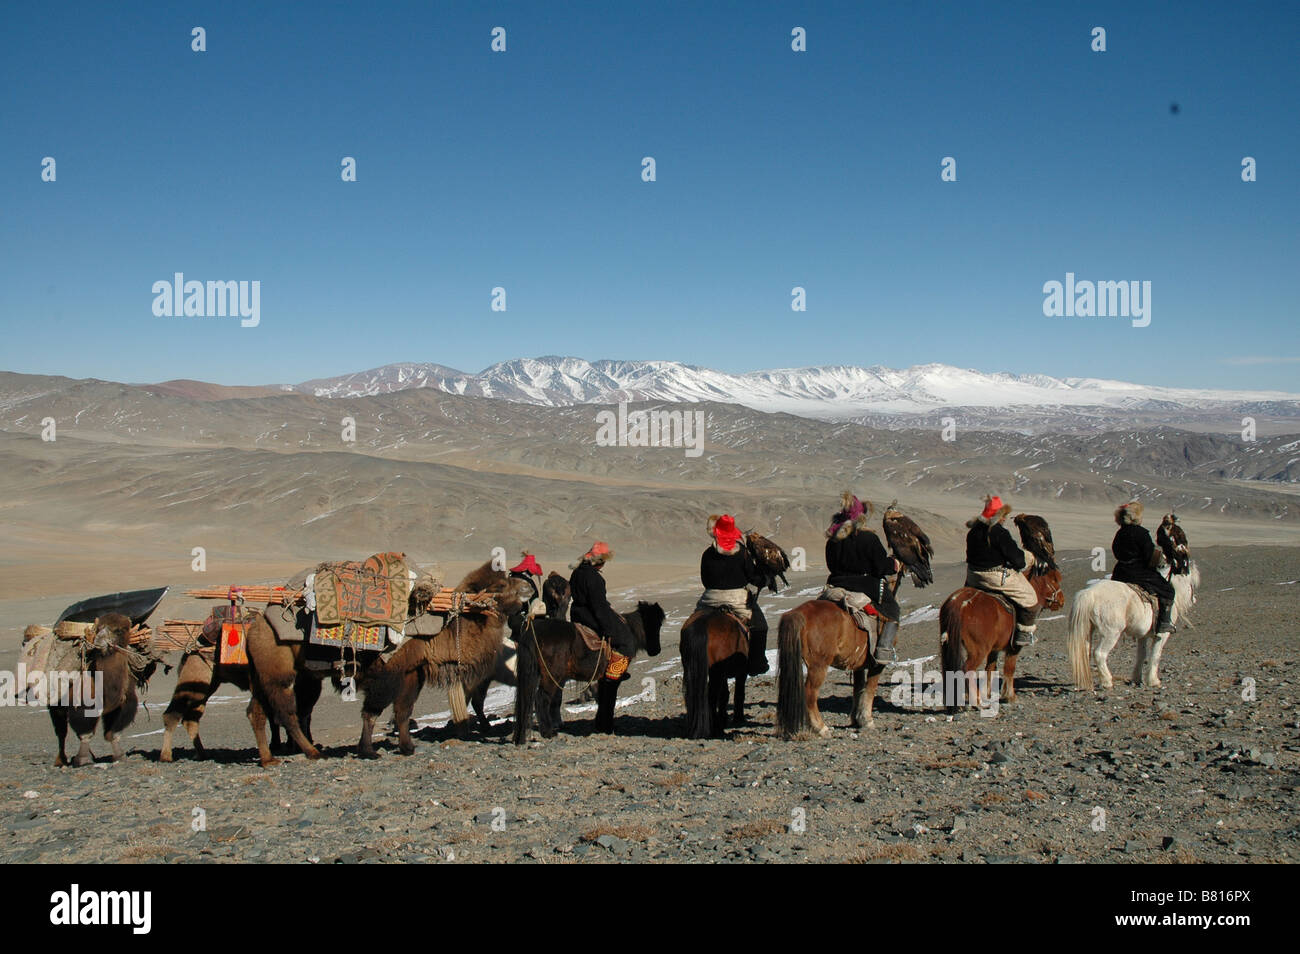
[626, 832]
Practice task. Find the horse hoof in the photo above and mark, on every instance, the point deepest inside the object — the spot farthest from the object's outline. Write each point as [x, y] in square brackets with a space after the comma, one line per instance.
[312, 753]
[406, 749]
[372, 754]
[824, 732]
[270, 763]
[61, 761]
[81, 760]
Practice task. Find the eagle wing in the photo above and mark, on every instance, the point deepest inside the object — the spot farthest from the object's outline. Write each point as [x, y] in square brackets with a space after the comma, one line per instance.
[771, 559]
[911, 546]
[1174, 542]
[1036, 537]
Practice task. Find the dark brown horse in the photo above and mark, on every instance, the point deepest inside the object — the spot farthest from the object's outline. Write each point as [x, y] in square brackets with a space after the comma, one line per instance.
[714, 647]
[105, 689]
[556, 596]
[819, 634]
[552, 652]
[974, 627]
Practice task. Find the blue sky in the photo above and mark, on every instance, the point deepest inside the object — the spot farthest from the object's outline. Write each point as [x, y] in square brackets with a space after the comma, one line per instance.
[775, 169]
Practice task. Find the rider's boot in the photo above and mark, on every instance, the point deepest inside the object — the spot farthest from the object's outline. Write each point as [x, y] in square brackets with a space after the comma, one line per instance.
[885, 651]
[1026, 628]
[1165, 623]
[758, 664]
[616, 671]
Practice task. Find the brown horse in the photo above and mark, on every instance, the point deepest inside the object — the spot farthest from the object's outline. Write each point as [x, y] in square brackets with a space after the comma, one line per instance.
[551, 652]
[819, 634]
[283, 684]
[104, 689]
[714, 648]
[974, 627]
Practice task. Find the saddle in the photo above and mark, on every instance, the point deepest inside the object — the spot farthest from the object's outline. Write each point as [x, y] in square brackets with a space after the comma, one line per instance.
[591, 638]
[1151, 600]
[1001, 598]
[857, 605]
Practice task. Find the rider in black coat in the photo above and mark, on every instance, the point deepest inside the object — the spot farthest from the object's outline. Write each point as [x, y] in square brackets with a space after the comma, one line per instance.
[729, 565]
[591, 607]
[1136, 560]
[857, 561]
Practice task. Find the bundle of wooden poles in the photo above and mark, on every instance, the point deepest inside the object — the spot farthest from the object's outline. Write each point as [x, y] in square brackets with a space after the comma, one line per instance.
[444, 601]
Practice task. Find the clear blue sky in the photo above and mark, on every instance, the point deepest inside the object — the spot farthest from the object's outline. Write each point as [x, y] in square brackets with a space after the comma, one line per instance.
[775, 169]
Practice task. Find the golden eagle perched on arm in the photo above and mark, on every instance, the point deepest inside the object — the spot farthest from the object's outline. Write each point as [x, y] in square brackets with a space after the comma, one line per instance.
[910, 545]
[1036, 536]
[1173, 541]
[771, 559]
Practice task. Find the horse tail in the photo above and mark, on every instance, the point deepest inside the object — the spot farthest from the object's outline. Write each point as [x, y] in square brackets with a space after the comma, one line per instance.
[694, 645]
[791, 709]
[952, 649]
[1078, 644]
[528, 673]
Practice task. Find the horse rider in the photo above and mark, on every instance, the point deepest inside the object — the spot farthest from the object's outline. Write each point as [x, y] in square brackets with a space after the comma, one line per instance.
[857, 561]
[591, 607]
[1136, 558]
[994, 562]
[732, 580]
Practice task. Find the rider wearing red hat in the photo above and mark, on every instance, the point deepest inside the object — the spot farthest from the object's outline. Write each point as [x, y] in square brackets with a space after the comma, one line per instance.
[995, 563]
[731, 577]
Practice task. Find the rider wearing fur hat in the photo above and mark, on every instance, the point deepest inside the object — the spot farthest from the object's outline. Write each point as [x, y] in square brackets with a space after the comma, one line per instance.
[732, 579]
[857, 561]
[995, 562]
[591, 607]
[1136, 559]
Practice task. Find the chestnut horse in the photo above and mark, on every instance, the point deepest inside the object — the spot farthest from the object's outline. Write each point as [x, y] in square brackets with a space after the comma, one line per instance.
[714, 648]
[974, 626]
[551, 652]
[819, 634]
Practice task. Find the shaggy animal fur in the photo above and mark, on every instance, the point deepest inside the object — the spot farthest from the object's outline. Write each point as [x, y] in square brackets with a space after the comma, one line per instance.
[1130, 512]
[117, 703]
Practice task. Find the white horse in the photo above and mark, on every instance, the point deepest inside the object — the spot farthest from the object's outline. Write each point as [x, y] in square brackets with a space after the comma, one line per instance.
[1107, 610]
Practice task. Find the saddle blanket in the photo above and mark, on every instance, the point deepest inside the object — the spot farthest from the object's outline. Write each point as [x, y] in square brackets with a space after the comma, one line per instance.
[1151, 600]
[857, 605]
[373, 592]
[350, 634]
[734, 602]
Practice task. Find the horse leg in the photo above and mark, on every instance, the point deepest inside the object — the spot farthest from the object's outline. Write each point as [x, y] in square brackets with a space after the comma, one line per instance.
[606, 696]
[60, 719]
[1009, 677]
[546, 711]
[859, 718]
[717, 702]
[873, 682]
[1157, 648]
[812, 689]
[1100, 651]
[973, 666]
[738, 712]
[1140, 661]
[479, 701]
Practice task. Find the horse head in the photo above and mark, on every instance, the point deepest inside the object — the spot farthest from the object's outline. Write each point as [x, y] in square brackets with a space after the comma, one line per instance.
[652, 618]
[1048, 587]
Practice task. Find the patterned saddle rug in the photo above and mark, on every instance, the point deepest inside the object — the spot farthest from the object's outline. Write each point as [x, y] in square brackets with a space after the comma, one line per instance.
[373, 592]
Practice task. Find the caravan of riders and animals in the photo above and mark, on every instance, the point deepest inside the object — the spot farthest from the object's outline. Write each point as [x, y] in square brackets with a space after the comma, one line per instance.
[509, 626]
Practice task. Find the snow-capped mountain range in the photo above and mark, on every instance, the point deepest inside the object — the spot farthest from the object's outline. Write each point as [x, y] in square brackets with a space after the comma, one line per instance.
[836, 391]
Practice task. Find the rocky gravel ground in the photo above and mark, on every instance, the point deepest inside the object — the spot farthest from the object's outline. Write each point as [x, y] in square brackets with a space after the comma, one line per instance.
[1204, 770]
